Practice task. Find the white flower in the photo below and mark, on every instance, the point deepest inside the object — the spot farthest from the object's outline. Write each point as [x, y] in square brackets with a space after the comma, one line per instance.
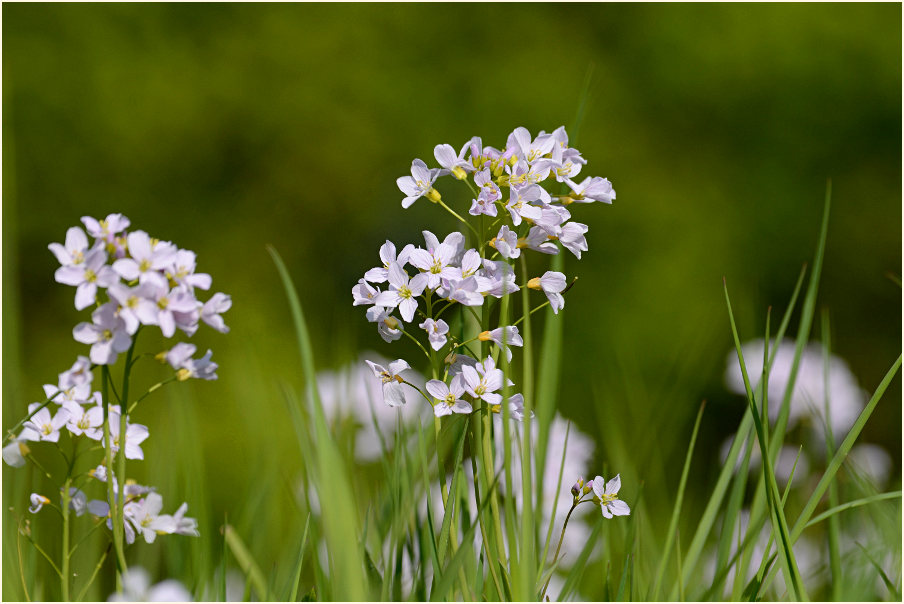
[607, 493]
[107, 229]
[135, 435]
[88, 421]
[185, 525]
[37, 502]
[592, 189]
[572, 237]
[42, 426]
[388, 256]
[14, 453]
[506, 242]
[448, 397]
[393, 394]
[136, 587]
[487, 197]
[74, 251]
[482, 381]
[87, 276]
[148, 259]
[403, 291]
[388, 326]
[107, 334]
[179, 357]
[512, 338]
[519, 207]
[182, 272]
[457, 165]
[464, 291]
[78, 374]
[436, 264]
[552, 283]
[529, 150]
[419, 184]
[436, 332]
[498, 278]
[211, 310]
[136, 306]
[146, 518]
[363, 293]
[538, 240]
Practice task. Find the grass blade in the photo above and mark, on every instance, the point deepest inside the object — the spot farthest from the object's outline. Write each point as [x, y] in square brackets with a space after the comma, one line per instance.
[246, 562]
[676, 511]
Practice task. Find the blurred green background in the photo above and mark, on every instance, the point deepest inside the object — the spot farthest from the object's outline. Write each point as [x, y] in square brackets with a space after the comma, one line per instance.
[224, 128]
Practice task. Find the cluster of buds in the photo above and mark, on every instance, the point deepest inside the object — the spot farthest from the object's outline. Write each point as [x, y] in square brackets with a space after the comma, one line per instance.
[131, 281]
[511, 212]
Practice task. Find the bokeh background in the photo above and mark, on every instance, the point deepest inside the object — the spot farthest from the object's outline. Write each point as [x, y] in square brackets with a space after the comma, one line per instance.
[225, 128]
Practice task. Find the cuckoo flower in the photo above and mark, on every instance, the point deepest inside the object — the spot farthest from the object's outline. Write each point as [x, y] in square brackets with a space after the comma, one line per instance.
[380, 274]
[106, 333]
[552, 283]
[448, 397]
[419, 184]
[607, 494]
[592, 189]
[393, 394]
[457, 165]
[402, 291]
[87, 276]
[436, 332]
[75, 249]
[147, 260]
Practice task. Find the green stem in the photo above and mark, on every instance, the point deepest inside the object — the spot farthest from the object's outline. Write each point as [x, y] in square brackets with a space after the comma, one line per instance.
[64, 552]
[559, 546]
[454, 213]
[111, 497]
[150, 390]
[97, 568]
[123, 426]
[11, 432]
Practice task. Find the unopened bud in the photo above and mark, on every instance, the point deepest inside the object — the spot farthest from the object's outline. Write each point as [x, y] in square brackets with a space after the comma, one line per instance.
[161, 356]
[433, 195]
[183, 374]
[576, 488]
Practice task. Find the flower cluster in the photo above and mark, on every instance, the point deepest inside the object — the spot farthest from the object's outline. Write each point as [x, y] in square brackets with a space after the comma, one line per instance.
[510, 212]
[130, 281]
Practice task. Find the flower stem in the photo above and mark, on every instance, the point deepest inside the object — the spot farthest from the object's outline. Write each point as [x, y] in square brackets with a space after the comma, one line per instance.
[558, 547]
[64, 572]
[123, 416]
[118, 526]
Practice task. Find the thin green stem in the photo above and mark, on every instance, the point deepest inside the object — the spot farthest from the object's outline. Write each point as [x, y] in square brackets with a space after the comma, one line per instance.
[150, 390]
[419, 345]
[64, 551]
[454, 213]
[97, 568]
[11, 432]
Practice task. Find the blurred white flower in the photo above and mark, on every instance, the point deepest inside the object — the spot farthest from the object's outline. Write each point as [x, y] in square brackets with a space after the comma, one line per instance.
[136, 587]
[846, 398]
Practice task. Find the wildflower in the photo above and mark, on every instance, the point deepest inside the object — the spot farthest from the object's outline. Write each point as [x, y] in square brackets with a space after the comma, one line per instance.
[482, 380]
[538, 240]
[607, 494]
[364, 293]
[136, 587]
[448, 397]
[498, 278]
[106, 333]
[73, 394]
[419, 184]
[388, 256]
[14, 453]
[506, 243]
[148, 259]
[388, 326]
[37, 502]
[403, 292]
[87, 276]
[458, 166]
[146, 518]
[135, 305]
[211, 310]
[552, 283]
[135, 435]
[42, 426]
[78, 374]
[74, 251]
[511, 335]
[86, 421]
[519, 207]
[531, 150]
[572, 237]
[436, 263]
[515, 407]
[179, 357]
[464, 291]
[184, 525]
[591, 189]
[182, 272]
[487, 197]
[454, 240]
[107, 229]
[393, 394]
[436, 332]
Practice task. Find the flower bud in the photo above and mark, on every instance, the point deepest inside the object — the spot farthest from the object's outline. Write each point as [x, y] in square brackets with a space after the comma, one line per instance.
[576, 489]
